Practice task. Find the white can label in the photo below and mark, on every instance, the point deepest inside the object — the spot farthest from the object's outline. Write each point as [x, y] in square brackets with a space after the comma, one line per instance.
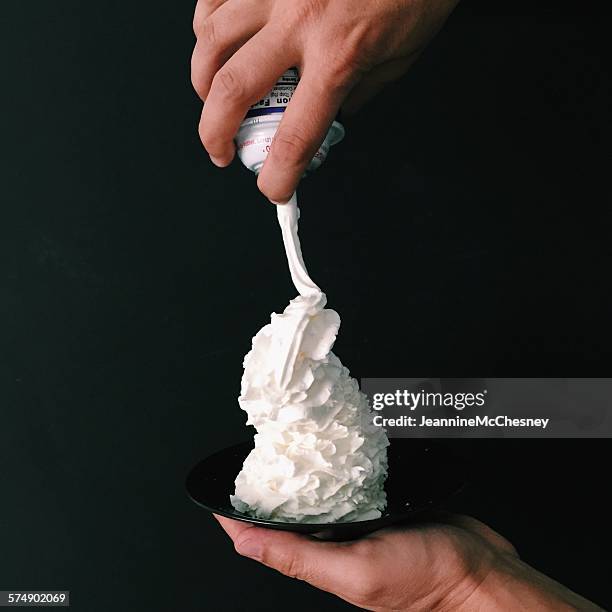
[276, 101]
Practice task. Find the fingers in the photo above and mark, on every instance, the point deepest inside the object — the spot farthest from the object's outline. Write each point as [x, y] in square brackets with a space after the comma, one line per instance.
[325, 565]
[244, 79]
[203, 9]
[303, 127]
[220, 33]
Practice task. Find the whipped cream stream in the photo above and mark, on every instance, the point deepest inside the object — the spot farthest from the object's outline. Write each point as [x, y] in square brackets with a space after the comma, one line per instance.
[288, 215]
[317, 457]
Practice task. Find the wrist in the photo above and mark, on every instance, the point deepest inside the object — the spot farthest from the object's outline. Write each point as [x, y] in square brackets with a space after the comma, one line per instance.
[510, 584]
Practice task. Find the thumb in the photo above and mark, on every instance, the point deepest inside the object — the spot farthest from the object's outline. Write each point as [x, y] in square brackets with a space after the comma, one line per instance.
[322, 564]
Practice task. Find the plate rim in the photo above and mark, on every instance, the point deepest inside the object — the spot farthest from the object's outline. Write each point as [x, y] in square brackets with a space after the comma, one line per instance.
[310, 528]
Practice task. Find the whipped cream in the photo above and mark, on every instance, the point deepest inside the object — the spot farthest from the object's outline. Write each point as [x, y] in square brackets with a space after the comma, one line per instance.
[318, 457]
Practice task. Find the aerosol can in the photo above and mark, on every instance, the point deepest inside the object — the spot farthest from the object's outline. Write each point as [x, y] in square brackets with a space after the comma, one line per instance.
[261, 122]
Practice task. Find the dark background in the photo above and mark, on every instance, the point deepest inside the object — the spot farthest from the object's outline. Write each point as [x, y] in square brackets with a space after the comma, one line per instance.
[461, 229]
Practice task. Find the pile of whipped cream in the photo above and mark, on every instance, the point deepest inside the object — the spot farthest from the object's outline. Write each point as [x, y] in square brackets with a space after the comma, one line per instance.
[318, 457]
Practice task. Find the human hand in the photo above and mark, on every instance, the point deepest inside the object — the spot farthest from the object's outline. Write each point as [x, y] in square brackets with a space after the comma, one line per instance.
[345, 51]
[456, 564]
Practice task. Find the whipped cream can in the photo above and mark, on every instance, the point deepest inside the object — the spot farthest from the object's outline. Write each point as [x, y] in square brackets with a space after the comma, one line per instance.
[261, 122]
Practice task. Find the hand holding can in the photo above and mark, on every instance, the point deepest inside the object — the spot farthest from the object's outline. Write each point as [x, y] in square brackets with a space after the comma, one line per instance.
[344, 52]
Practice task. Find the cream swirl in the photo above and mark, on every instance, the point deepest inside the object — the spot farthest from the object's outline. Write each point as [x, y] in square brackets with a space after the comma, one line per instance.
[317, 457]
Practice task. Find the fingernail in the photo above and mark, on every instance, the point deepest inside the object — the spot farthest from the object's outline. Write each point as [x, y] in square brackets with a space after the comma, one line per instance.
[282, 201]
[217, 162]
[250, 548]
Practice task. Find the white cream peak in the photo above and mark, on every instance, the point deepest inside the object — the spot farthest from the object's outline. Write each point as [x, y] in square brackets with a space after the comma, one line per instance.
[318, 458]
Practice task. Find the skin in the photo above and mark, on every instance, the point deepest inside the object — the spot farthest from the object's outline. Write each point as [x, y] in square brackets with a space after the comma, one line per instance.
[456, 564]
[345, 51]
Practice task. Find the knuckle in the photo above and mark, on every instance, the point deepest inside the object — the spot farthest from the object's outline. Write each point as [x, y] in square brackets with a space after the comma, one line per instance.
[207, 5]
[291, 146]
[293, 567]
[206, 32]
[240, 545]
[228, 86]
[249, 545]
[348, 56]
[202, 10]
[347, 59]
[195, 24]
[198, 79]
[348, 64]
[305, 11]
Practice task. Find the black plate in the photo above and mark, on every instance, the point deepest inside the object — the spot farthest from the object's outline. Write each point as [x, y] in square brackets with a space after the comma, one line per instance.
[422, 474]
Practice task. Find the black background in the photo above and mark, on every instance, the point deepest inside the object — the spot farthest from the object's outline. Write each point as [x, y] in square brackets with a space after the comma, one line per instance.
[461, 229]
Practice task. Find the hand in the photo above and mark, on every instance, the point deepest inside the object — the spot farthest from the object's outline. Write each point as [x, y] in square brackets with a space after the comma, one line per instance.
[456, 564]
[340, 47]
